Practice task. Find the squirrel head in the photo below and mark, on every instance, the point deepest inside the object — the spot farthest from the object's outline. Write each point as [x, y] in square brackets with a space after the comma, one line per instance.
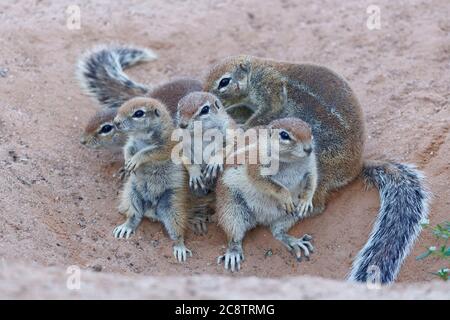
[294, 136]
[143, 116]
[203, 107]
[100, 131]
[229, 79]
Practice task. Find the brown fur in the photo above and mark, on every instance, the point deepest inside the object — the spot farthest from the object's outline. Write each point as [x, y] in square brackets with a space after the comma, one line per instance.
[155, 130]
[169, 94]
[309, 92]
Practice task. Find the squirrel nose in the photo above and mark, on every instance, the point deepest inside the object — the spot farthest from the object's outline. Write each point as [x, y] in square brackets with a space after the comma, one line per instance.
[308, 150]
[83, 140]
[183, 125]
[117, 124]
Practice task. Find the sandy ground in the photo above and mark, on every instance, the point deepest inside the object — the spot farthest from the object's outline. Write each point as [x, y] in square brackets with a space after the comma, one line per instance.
[32, 282]
[58, 199]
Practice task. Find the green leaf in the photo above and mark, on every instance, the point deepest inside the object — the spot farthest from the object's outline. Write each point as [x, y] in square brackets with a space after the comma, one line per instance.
[424, 255]
[447, 253]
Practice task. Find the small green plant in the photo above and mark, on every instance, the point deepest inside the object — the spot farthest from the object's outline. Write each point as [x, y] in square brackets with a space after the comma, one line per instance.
[442, 251]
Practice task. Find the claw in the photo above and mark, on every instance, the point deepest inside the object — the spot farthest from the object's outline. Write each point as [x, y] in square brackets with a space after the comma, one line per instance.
[124, 230]
[232, 259]
[181, 253]
[299, 247]
[196, 182]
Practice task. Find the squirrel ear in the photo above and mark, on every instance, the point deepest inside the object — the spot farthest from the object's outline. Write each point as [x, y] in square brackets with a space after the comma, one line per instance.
[245, 66]
[157, 112]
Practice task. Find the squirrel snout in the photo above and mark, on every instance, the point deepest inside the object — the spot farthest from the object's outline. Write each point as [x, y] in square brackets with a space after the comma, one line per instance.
[308, 150]
[183, 125]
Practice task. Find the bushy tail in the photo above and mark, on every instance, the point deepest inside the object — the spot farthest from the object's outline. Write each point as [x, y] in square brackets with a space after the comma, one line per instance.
[100, 73]
[404, 205]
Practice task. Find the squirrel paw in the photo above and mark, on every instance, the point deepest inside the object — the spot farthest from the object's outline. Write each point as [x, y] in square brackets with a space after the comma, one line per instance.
[304, 207]
[288, 205]
[123, 231]
[196, 183]
[232, 259]
[132, 164]
[181, 253]
[121, 173]
[212, 171]
[296, 246]
[199, 225]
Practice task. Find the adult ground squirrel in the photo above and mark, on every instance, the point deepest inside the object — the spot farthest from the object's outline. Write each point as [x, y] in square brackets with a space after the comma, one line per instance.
[100, 74]
[204, 110]
[249, 198]
[327, 103]
[156, 187]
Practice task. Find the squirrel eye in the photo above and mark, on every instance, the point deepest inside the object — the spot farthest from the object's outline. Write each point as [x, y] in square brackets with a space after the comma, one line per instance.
[224, 82]
[138, 114]
[205, 110]
[106, 128]
[284, 135]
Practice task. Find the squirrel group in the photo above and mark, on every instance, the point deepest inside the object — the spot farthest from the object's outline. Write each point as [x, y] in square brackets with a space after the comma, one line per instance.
[309, 112]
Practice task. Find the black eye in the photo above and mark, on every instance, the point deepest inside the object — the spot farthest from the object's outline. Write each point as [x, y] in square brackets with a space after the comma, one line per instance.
[284, 135]
[205, 110]
[224, 82]
[138, 114]
[106, 128]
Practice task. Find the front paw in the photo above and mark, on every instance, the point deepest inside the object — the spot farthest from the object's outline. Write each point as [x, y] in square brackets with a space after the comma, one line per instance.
[212, 171]
[304, 208]
[196, 182]
[121, 174]
[288, 205]
[132, 165]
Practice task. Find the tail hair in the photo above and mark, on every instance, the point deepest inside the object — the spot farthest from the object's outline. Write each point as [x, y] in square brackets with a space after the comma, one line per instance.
[404, 206]
[100, 73]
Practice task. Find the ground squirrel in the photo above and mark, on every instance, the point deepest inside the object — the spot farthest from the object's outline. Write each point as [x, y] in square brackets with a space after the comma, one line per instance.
[100, 131]
[100, 74]
[205, 111]
[156, 186]
[327, 103]
[250, 198]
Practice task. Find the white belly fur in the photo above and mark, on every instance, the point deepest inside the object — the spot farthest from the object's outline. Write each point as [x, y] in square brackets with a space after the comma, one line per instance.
[265, 208]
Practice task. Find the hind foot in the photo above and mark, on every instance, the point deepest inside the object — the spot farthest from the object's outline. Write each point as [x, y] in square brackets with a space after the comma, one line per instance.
[180, 252]
[232, 258]
[199, 225]
[297, 245]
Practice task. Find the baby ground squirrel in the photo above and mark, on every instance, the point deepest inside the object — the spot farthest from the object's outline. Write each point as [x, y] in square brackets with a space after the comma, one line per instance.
[326, 102]
[156, 186]
[206, 111]
[250, 198]
[100, 131]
